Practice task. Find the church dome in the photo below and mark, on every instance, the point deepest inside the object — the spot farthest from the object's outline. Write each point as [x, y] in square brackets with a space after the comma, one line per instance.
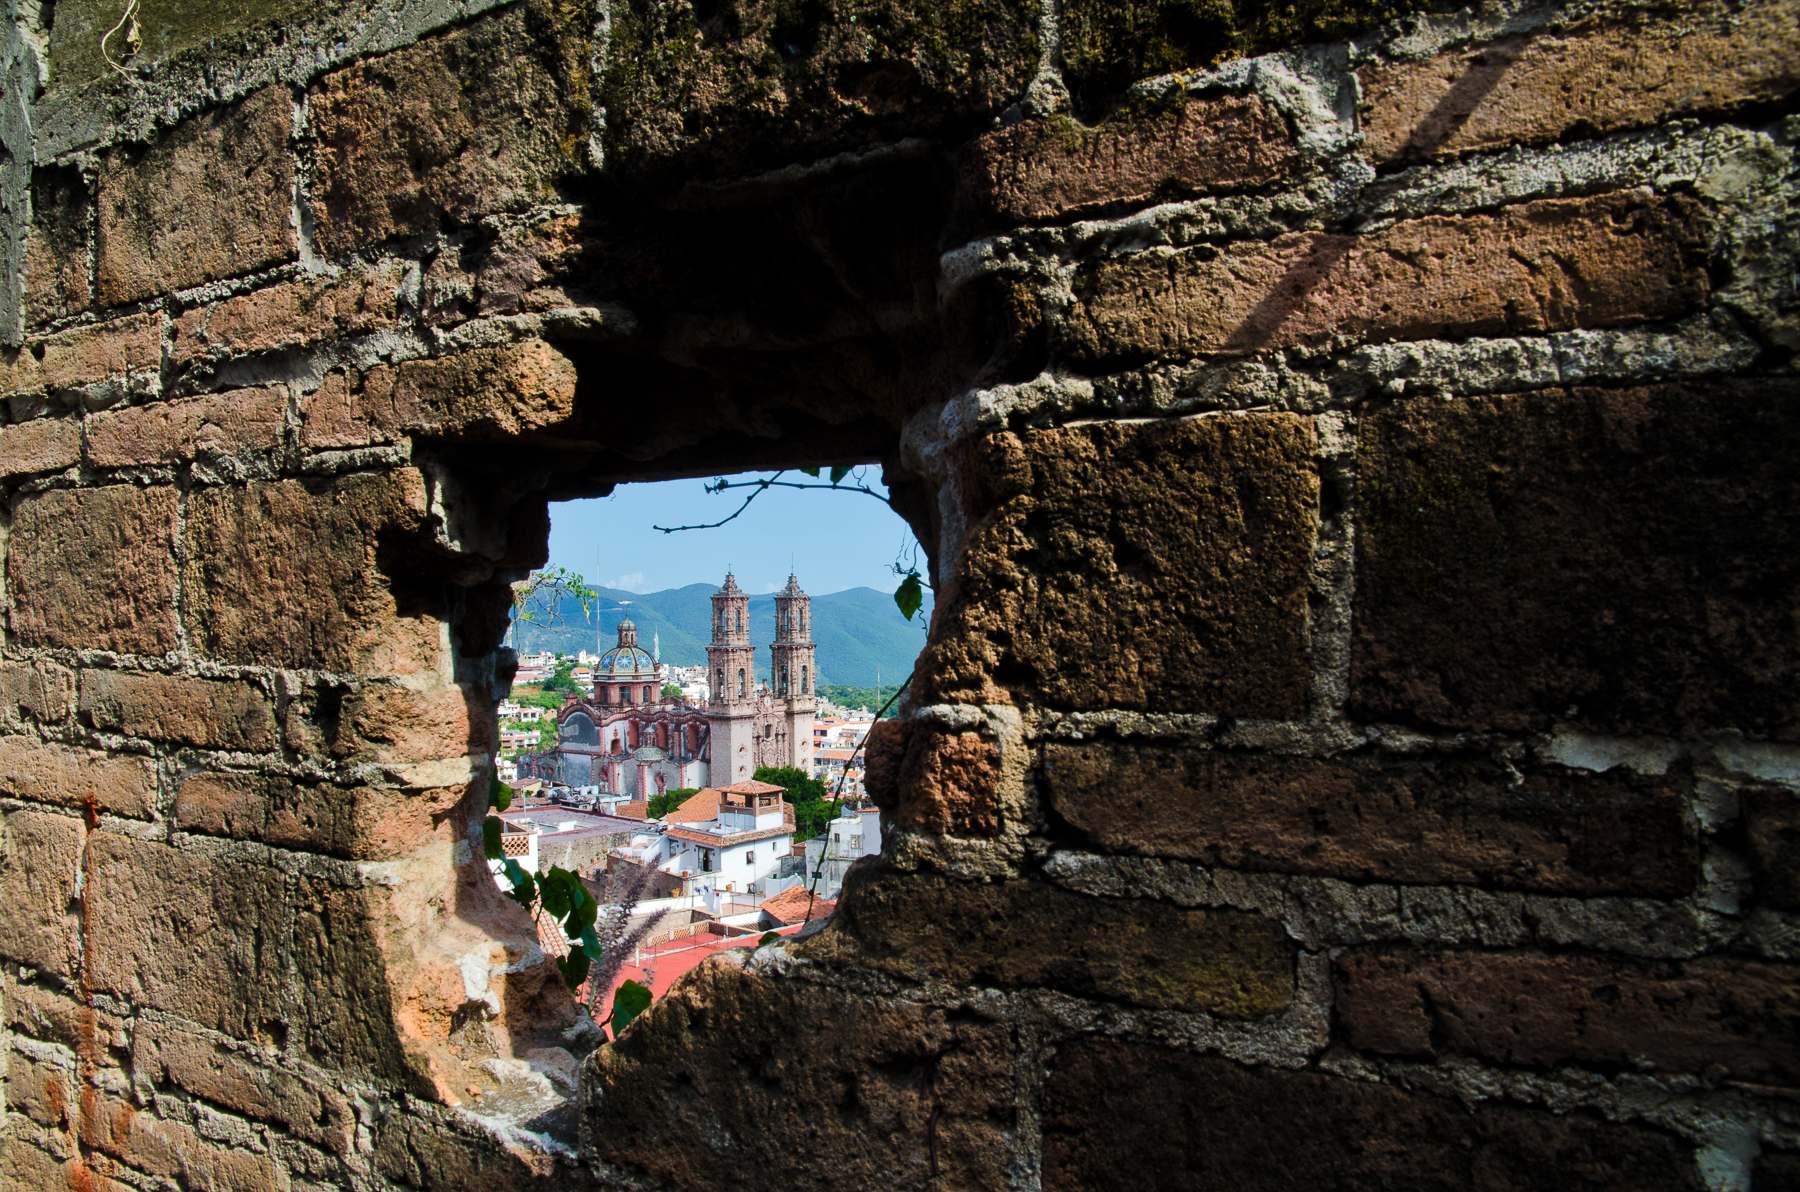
[627, 660]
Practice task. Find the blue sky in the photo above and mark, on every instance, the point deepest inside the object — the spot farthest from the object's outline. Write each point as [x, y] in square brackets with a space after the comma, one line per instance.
[832, 540]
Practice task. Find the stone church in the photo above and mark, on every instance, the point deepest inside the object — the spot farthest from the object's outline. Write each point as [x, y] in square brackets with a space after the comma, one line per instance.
[626, 739]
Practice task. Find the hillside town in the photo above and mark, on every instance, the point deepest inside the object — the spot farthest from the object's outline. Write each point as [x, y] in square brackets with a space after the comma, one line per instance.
[641, 776]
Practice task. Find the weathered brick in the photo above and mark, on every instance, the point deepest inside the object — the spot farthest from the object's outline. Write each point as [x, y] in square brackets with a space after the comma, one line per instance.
[1161, 566]
[1730, 1016]
[49, 773]
[41, 691]
[888, 1093]
[1040, 170]
[57, 282]
[482, 119]
[43, 1091]
[1535, 88]
[23, 1165]
[41, 445]
[948, 783]
[332, 416]
[1125, 1115]
[218, 424]
[1772, 827]
[1024, 933]
[243, 948]
[283, 574]
[362, 300]
[210, 713]
[244, 1082]
[398, 724]
[94, 569]
[1625, 560]
[1467, 820]
[124, 348]
[367, 823]
[38, 925]
[163, 1147]
[45, 1013]
[491, 393]
[685, 103]
[213, 197]
[1553, 265]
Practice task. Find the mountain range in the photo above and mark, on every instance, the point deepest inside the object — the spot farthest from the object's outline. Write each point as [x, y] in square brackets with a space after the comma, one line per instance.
[856, 630]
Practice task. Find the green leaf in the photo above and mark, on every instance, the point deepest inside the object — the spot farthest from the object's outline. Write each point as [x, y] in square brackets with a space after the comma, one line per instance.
[590, 942]
[490, 838]
[574, 968]
[813, 472]
[909, 596]
[524, 887]
[767, 937]
[838, 474]
[500, 796]
[556, 894]
[631, 1000]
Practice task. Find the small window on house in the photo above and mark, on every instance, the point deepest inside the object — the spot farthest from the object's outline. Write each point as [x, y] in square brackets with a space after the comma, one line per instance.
[768, 731]
[749, 856]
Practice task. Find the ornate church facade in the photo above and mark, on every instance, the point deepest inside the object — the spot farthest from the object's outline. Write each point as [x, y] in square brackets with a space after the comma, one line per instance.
[625, 739]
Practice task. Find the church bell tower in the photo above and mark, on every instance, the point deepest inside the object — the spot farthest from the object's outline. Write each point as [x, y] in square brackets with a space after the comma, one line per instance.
[794, 674]
[731, 710]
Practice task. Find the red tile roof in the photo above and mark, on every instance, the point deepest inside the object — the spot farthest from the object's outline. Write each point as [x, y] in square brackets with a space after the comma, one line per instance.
[701, 808]
[792, 906]
[639, 809]
[735, 838]
[752, 787]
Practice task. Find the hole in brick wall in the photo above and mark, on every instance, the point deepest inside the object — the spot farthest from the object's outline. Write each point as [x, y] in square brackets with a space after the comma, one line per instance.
[628, 698]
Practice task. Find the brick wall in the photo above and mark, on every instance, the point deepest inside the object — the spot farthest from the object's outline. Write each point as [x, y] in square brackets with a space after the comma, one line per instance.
[1358, 740]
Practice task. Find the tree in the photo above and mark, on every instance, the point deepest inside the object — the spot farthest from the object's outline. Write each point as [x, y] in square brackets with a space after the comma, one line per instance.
[564, 680]
[671, 691]
[661, 805]
[812, 810]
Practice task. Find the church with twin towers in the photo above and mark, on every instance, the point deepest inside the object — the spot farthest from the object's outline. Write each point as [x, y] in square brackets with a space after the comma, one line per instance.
[626, 739]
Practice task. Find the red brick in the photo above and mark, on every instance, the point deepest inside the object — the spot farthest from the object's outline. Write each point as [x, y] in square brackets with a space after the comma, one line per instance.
[1126, 1115]
[1620, 559]
[367, 823]
[399, 725]
[42, 1012]
[283, 574]
[361, 301]
[437, 134]
[1465, 820]
[172, 1149]
[1160, 566]
[949, 784]
[1040, 170]
[243, 1082]
[176, 431]
[43, 1092]
[38, 924]
[41, 445]
[235, 946]
[213, 197]
[492, 393]
[332, 416]
[1553, 265]
[884, 751]
[888, 1093]
[1728, 1016]
[128, 347]
[1532, 89]
[48, 773]
[41, 691]
[1024, 933]
[94, 569]
[1772, 826]
[210, 713]
[57, 282]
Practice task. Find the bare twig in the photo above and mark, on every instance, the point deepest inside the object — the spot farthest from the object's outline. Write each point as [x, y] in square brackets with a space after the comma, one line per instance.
[762, 486]
[812, 891]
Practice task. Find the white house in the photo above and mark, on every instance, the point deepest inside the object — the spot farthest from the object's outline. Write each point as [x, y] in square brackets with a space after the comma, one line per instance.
[735, 852]
[854, 834]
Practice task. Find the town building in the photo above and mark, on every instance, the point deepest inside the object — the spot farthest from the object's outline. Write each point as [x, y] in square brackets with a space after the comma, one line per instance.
[626, 739]
[726, 841]
[853, 835]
